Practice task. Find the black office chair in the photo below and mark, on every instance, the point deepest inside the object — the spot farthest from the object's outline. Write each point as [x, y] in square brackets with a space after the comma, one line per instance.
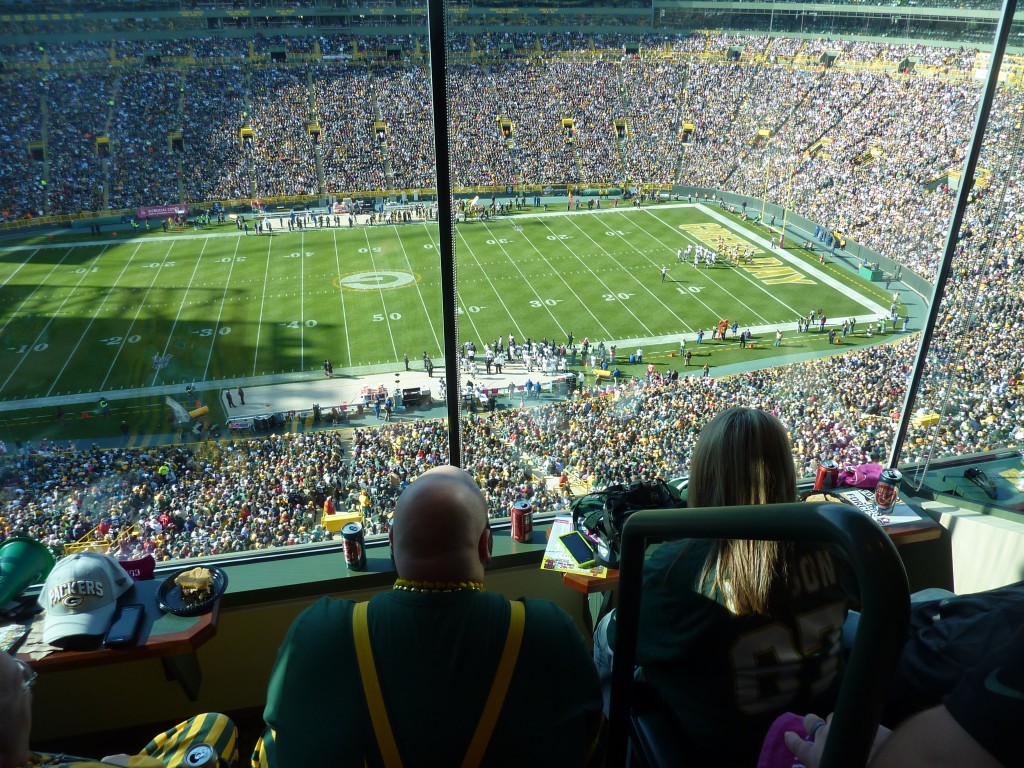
[885, 602]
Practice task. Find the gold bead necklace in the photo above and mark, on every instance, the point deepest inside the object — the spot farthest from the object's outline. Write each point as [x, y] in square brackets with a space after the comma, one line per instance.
[408, 585]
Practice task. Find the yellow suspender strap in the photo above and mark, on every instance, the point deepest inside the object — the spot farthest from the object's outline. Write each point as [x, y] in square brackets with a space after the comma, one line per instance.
[499, 688]
[492, 707]
[371, 689]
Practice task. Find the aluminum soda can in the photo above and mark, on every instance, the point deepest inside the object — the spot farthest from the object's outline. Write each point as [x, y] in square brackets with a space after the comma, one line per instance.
[201, 756]
[522, 521]
[354, 546]
[887, 490]
[828, 475]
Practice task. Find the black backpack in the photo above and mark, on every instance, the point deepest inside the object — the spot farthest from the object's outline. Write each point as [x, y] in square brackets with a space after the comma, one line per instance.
[600, 515]
[947, 638]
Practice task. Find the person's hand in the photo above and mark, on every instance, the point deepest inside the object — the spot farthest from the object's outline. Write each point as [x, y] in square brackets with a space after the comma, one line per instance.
[809, 751]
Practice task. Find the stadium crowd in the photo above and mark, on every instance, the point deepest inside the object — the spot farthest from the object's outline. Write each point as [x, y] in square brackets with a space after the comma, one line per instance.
[142, 171]
[271, 491]
[21, 190]
[78, 108]
[346, 112]
[403, 96]
[689, 81]
[215, 166]
[282, 157]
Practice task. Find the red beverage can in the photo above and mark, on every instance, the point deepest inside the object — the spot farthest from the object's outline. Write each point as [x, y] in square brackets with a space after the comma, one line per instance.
[522, 521]
[828, 475]
[887, 490]
[354, 546]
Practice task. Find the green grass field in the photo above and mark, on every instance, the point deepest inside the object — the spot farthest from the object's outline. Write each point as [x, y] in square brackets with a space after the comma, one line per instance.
[121, 312]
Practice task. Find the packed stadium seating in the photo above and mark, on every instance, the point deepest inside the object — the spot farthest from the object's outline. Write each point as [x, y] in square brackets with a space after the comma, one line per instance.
[898, 213]
[897, 210]
[269, 492]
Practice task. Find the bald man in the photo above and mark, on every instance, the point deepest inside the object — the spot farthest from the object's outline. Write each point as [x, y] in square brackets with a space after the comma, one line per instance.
[436, 639]
[441, 531]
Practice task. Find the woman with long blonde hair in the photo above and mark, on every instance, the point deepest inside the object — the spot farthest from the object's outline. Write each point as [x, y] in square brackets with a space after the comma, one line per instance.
[734, 632]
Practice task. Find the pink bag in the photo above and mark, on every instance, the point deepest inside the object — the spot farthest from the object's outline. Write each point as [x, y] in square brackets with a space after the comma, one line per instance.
[774, 752]
[864, 476]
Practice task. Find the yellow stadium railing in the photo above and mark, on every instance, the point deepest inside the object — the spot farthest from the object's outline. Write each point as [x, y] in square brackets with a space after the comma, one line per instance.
[89, 542]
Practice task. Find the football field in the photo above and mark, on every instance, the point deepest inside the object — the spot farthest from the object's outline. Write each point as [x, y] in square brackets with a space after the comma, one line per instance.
[121, 313]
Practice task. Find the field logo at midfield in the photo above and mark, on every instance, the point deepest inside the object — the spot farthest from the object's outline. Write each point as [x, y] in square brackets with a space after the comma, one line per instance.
[767, 269]
[376, 281]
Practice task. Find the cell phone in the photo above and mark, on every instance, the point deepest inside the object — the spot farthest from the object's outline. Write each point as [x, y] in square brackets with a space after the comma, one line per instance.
[125, 627]
[578, 547]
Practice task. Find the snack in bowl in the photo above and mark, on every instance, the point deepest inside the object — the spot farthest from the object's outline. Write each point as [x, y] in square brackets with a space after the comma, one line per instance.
[195, 584]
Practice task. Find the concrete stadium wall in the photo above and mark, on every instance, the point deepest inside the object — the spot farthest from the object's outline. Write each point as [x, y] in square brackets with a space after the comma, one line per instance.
[987, 551]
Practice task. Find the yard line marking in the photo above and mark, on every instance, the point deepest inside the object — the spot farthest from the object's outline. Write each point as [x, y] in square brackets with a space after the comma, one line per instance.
[28, 349]
[341, 298]
[644, 284]
[20, 265]
[263, 303]
[384, 304]
[811, 269]
[437, 249]
[607, 287]
[419, 291]
[81, 338]
[181, 306]
[17, 312]
[464, 311]
[686, 238]
[701, 274]
[138, 311]
[560, 274]
[220, 312]
[497, 293]
[738, 270]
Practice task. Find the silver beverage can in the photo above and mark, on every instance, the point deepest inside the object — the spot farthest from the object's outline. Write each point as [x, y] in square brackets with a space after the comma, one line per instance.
[201, 756]
[887, 491]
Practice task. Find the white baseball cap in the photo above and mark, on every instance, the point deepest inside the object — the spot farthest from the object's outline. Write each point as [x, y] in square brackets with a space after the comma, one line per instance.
[80, 597]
